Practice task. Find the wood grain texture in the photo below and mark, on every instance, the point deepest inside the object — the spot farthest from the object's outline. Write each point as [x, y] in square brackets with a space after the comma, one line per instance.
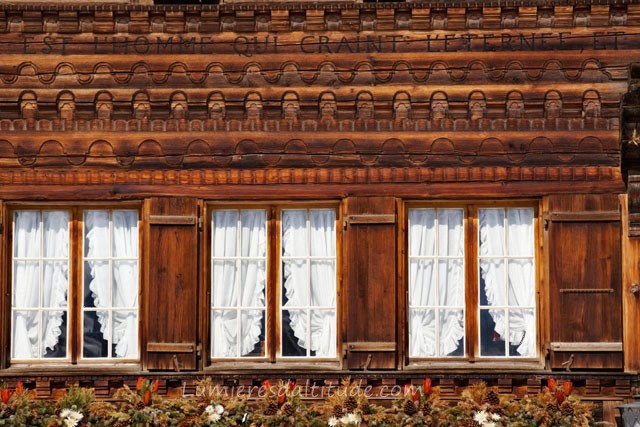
[172, 286]
[585, 257]
[370, 283]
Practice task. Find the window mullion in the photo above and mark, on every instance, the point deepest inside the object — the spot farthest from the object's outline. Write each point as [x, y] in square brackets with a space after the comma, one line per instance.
[237, 283]
[41, 287]
[273, 287]
[308, 308]
[472, 288]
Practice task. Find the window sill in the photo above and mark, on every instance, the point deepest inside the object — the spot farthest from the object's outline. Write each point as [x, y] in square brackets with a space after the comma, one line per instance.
[505, 365]
[290, 366]
[34, 369]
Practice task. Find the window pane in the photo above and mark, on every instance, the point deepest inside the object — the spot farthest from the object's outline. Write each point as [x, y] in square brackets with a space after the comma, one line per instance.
[492, 282]
[423, 343]
[323, 283]
[295, 333]
[434, 332]
[93, 342]
[224, 333]
[323, 335]
[450, 232]
[308, 281]
[451, 283]
[451, 330]
[224, 275]
[124, 341]
[238, 276]
[252, 333]
[110, 284]
[492, 332]
[507, 282]
[40, 282]
[422, 289]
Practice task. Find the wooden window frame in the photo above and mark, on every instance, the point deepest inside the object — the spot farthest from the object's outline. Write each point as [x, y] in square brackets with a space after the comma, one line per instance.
[273, 358]
[74, 360]
[472, 356]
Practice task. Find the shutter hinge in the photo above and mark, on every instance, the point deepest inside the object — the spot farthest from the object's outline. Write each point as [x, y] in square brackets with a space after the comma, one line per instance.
[200, 223]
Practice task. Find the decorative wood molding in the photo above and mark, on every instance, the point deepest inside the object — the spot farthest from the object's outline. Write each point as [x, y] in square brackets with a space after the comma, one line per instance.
[549, 176]
[72, 18]
[260, 150]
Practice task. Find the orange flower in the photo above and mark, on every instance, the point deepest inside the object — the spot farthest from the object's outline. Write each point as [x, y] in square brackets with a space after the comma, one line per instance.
[560, 397]
[19, 388]
[551, 383]
[5, 395]
[140, 383]
[426, 386]
[567, 387]
[281, 396]
[412, 392]
[147, 398]
[267, 385]
[155, 386]
[291, 385]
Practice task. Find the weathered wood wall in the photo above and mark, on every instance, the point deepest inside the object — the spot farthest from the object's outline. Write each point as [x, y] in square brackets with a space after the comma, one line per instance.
[366, 104]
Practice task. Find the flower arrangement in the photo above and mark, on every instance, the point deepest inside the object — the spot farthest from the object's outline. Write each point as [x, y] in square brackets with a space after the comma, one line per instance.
[282, 404]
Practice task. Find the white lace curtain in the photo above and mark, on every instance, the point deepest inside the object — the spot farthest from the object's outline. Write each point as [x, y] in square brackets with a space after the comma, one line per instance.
[507, 268]
[309, 277]
[238, 275]
[436, 281]
[40, 281]
[112, 259]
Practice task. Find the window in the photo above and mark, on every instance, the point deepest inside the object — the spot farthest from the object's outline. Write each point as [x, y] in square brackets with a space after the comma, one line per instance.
[257, 277]
[471, 302]
[50, 301]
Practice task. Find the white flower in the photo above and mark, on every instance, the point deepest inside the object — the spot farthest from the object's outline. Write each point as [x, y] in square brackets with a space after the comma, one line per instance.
[351, 418]
[333, 421]
[71, 418]
[481, 417]
[495, 417]
[214, 413]
[489, 424]
[214, 417]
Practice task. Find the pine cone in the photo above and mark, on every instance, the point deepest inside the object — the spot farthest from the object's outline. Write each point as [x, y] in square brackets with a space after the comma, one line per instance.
[338, 411]
[566, 409]
[8, 411]
[410, 407]
[426, 408]
[288, 409]
[551, 407]
[492, 398]
[351, 404]
[468, 423]
[272, 408]
[201, 407]
[139, 405]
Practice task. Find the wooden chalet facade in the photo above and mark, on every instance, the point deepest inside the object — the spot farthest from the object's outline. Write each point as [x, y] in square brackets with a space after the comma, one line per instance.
[313, 190]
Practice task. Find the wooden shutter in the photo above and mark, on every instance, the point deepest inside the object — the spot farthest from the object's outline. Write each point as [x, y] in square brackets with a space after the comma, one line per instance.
[370, 283]
[584, 235]
[172, 283]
